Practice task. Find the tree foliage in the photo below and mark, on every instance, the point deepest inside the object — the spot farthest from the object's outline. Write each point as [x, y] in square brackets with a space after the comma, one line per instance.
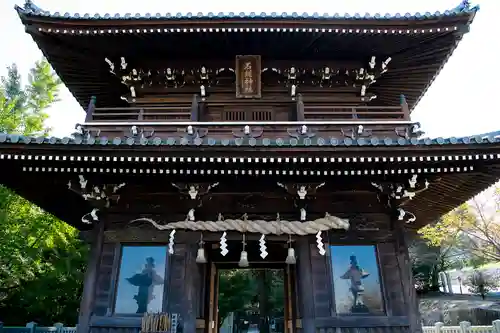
[473, 228]
[247, 290]
[41, 258]
[23, 109]
[236, 289]
[482, 283]
[427, 261]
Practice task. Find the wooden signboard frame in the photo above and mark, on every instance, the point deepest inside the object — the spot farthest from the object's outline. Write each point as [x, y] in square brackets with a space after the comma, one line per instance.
[248, 76]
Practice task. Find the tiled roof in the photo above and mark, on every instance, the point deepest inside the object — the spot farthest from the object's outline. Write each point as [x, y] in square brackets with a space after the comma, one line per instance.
[464, 8]
[278, 142]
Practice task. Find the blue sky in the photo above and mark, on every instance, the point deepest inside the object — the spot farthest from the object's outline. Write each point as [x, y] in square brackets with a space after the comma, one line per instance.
[461, 101]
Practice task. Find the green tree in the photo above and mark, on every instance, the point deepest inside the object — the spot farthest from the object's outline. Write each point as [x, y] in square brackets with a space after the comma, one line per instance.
[41, 258]
[427, 262]
[23, 109]
[237, 288]
[481, 283]
[249, 290]
[473, 228]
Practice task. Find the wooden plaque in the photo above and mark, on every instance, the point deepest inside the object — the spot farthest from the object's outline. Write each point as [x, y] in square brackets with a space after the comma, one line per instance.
[248, 70]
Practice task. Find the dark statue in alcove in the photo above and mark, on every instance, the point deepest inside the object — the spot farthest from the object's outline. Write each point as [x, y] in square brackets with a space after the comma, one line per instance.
[356, 274]
[145, 281]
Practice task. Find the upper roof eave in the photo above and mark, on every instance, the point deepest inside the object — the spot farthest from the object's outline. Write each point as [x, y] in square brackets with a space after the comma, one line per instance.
[30, 12]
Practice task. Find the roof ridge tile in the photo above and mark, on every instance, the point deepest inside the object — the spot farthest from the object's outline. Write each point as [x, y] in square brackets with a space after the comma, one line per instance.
[464, 8]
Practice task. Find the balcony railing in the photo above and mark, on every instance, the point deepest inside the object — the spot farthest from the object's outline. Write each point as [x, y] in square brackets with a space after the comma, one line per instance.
[183, 113]
[322, 120]
[148, 114]
[324, 112]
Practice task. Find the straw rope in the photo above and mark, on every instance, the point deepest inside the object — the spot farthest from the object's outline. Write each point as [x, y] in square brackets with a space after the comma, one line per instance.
[256, 226]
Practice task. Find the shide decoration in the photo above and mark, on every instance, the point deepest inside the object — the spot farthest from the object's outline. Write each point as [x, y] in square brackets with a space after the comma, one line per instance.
[319, 243]
[263, 248]
[223, 244]
[171, 242]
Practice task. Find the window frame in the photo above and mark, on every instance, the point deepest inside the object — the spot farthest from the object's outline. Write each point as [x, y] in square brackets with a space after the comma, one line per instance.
[117, 271]
[333, 302]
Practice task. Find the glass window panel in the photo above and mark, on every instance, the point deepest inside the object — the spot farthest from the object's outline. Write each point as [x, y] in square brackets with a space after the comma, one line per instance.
[141, 279]
[356, 280]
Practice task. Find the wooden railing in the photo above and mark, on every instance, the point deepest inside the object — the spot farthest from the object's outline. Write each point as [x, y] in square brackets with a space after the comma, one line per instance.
[306, 111]
[152, 114]
[257, 110]
[320, 112]
[183, 113]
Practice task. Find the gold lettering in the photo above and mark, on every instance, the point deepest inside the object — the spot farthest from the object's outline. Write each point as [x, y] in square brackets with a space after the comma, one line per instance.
[247, 78]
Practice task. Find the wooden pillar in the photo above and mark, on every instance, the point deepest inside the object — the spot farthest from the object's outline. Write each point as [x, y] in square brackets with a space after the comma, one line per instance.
[305, 284]
[90, 280]
[195, 108]
[404, 107]
[299, 109]
[191, 289]
[90, 109]
[410, 294]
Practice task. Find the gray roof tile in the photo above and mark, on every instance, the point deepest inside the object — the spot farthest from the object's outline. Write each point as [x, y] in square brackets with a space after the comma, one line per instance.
[463, 8]
[488, 138]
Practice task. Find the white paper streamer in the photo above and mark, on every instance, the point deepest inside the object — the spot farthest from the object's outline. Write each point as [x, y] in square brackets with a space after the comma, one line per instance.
[263, 248]
[223, 244]
[171, 242]
[319, 244]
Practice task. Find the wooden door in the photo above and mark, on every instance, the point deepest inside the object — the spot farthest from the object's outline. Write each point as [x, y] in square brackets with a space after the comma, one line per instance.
[213, 310]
